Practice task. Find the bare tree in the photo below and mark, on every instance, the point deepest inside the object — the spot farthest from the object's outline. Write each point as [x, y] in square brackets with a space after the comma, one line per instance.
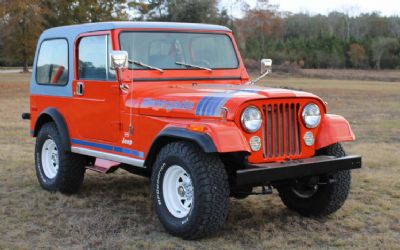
[260, 22]
[380, 46]
[395, 26]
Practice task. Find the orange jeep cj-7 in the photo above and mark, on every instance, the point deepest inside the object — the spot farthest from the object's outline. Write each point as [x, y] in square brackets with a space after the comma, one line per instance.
[173, 101]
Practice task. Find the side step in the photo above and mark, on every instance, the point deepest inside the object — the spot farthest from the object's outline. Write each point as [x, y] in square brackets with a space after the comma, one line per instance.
[104, 166]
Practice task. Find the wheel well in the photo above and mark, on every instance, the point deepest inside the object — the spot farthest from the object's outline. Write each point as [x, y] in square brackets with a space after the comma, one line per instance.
[232, 161]
[43, 119]
[157, 145]
[53, 115]
[173, 134]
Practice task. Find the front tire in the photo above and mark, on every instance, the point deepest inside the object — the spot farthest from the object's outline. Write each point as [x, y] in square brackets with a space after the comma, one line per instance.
[190, 190]
[56, 168]
[309, 197]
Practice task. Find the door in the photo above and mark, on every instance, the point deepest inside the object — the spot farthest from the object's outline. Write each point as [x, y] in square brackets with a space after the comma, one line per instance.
[95, 88]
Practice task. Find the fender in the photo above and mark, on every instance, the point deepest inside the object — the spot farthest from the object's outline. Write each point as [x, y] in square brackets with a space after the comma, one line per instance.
[52, 114]
[203, 140]
[228, 138]
[334, 128]
[173, 133]
[209, 143]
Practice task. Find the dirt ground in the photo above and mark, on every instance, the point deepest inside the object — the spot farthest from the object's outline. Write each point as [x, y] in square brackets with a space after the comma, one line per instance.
[114, 211]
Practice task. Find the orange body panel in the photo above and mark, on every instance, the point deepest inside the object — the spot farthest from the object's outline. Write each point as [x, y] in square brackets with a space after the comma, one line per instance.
[333, 129]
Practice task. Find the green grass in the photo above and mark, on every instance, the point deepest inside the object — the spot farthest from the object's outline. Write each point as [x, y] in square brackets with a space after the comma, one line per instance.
[114, 211]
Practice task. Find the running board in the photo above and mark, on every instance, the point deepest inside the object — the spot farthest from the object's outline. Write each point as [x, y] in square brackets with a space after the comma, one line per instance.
[104, 166]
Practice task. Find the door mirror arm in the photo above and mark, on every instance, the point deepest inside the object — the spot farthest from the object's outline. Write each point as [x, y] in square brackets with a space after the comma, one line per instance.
[119, 62]
[266, 68]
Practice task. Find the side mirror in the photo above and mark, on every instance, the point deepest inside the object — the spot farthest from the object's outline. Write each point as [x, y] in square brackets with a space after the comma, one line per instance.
[266, 65]
[119, 59]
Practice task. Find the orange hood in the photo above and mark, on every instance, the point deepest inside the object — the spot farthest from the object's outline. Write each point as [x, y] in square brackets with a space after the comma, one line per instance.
[205, 100]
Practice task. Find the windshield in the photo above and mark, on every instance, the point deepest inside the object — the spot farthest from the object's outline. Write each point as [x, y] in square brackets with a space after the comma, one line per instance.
[177, 50]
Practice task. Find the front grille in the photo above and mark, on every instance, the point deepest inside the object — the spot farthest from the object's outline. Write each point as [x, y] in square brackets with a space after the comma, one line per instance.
[281, 134]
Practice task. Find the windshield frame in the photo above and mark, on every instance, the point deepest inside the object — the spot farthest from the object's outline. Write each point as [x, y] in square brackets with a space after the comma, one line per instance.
[187, 32]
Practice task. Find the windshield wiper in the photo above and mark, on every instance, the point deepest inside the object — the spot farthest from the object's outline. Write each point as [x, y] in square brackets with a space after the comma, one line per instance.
[145, 65]
[193, 66]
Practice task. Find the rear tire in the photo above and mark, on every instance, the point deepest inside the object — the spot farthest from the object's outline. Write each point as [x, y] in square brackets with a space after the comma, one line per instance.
[56, 168]
[190, 190]
[320, 199]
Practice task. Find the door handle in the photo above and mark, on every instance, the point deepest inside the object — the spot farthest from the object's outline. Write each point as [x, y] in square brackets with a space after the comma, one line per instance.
[79, 88]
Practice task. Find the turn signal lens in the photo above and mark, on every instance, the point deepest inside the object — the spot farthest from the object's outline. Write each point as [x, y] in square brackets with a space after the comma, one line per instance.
[197, 128]
[308, 138]
[255, 143]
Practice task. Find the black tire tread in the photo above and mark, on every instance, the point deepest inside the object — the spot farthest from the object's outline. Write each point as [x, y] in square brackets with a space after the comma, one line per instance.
[71, 166]
[332, 197]
[213, 187]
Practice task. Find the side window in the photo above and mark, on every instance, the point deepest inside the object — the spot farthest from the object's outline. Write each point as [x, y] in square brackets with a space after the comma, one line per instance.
[52, 63]
[94, 60]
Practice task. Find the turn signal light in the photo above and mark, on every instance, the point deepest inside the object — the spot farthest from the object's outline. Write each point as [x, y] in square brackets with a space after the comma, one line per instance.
[197, 128]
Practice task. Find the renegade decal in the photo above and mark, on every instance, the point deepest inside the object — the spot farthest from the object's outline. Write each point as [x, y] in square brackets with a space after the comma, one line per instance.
[167, 105]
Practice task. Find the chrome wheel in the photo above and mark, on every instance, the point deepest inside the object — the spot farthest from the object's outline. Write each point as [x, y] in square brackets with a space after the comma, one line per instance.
[178, 191]
[49, 158]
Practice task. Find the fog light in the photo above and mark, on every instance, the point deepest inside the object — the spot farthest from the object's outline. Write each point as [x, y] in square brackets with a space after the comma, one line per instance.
[255, 143]
[308, 138]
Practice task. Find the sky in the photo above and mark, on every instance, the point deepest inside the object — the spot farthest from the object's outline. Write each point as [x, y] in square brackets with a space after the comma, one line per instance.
[353, 7]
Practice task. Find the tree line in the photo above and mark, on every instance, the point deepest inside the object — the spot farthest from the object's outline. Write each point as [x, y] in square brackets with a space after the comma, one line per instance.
[336, 40]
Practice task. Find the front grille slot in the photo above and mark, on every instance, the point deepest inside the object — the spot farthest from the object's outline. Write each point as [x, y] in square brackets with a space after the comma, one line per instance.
[281, 136]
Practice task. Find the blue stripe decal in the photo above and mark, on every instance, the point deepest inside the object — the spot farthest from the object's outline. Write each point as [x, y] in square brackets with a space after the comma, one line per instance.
[108, 147]
[92, 144]
[214, 106]
[135, 153]
[118, 149]
[250, 90]
[205, 105]
[217, 111]
[211, 106]
[200, 105]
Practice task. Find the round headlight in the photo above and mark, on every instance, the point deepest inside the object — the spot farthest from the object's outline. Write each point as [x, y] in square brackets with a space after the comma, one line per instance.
[251, 119]
[311, 115]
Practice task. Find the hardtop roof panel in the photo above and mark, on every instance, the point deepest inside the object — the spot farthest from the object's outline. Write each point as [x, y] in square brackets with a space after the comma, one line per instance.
[74, 30]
